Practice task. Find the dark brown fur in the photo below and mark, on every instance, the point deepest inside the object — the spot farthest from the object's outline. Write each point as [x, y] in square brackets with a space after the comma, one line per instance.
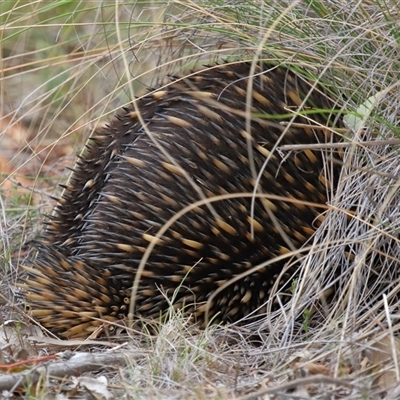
[124, 189]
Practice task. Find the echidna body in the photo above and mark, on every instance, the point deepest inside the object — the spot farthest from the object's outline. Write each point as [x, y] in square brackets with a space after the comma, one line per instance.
[124, 189]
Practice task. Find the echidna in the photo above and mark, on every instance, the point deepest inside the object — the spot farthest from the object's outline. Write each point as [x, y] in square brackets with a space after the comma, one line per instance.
[128, 184]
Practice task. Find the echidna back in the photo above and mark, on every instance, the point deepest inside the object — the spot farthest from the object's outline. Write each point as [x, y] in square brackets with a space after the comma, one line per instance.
[125, 188]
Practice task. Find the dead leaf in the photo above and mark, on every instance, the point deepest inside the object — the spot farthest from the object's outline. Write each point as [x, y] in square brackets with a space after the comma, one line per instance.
[384, 356]
[96, 387]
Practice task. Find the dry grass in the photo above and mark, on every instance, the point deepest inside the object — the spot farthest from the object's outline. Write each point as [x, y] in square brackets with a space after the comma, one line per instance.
[68, 66]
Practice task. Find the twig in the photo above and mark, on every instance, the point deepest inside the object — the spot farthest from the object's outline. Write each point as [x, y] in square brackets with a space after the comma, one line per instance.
[76, 365]
[317, 379]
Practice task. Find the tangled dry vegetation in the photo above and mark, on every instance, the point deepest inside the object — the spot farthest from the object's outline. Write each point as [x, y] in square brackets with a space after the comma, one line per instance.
[68, 66]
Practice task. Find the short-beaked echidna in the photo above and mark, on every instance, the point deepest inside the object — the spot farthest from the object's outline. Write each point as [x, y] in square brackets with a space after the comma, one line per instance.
[124, 189]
